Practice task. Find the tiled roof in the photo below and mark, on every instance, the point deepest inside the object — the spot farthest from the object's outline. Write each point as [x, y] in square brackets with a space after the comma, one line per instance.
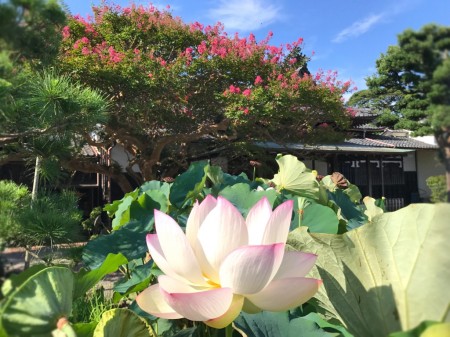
[392, 142]
[376, 144]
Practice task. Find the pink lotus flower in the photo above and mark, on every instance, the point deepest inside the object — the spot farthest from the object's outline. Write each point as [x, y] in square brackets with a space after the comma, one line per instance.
[225, 264]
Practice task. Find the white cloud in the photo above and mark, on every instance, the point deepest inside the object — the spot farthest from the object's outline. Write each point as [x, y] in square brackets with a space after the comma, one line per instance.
[358, 28]
[245, 15]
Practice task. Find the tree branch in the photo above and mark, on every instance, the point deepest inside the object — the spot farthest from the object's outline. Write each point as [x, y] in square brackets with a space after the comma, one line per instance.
[163, 141]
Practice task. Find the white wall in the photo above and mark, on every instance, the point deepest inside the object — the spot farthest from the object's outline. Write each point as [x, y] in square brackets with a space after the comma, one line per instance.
[409, 162]
[428, 165]
[122, 157]
[322, 167]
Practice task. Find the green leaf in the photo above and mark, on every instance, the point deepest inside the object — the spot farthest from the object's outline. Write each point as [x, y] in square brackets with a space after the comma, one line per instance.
[293, 176]
[141, 276]
[122, 323]
[386, 276]
[437, 330]
[155, 185]
[275, 324]
[319, 219]
[14, 281]
[215, 174]
[85, 280]
[353, 193]
[84, 329]
[128, 240]
[189, 332]
[143, 208]
[372, 210]
[351, 212]
[34, 308]
[416, 332]
[122, 214]
[323, 324]
[188, 185]
[243, 197]
[114, 206]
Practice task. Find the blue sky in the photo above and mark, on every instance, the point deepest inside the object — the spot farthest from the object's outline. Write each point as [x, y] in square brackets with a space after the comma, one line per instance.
[347, 35]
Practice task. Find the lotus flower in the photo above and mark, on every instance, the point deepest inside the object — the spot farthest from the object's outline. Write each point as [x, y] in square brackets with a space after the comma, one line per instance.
[225, 264]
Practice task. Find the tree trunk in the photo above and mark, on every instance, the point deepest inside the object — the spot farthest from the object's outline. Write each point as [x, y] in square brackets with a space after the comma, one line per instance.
[91, 167]
[443, 140]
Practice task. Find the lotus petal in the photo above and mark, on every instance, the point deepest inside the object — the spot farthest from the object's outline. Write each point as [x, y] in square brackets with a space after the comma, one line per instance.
[158, 256]
[228, 317]
[197, 216]
[248, 269]
[222, 231]
[256, 220]
[177, 250]
[286, 293]
[277, 228]
[295, 264]
[196, 305]
[152, 301]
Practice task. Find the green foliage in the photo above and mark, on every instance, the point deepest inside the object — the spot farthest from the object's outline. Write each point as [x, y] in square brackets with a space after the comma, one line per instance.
[438, 187]
[32, 28]
[13, 198]
[410, 77]
[50, 219]
[90, 307]
[269, 324]
[376, 278]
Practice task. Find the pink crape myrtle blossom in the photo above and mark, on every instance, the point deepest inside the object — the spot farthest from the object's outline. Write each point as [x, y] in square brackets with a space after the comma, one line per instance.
[225, 263]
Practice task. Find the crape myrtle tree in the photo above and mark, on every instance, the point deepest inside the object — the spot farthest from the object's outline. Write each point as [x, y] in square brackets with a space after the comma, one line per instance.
[172, 84]
[411, 87]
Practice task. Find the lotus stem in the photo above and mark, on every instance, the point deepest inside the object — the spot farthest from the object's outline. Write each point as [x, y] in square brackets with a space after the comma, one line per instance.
[64, 325]
[229, 331]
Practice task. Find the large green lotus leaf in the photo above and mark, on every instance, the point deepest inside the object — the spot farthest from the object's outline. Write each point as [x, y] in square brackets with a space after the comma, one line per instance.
[349, 210]
[353, 193]
[293, 176]
[112, 208]
[155, 185]
[16, 280]
[243, 197]
[140, 280]
[122, 213]
[318, 218]
[276, 324]
[388, 275]
[372, 210]
[122, 323]
[128, 240]
[85, 280]
[34, 308]
[323, 324]
[140, 209]
[189, 184]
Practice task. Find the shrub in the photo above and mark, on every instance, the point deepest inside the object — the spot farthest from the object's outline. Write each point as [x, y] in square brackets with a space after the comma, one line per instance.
[13, 198]
[438, 187]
